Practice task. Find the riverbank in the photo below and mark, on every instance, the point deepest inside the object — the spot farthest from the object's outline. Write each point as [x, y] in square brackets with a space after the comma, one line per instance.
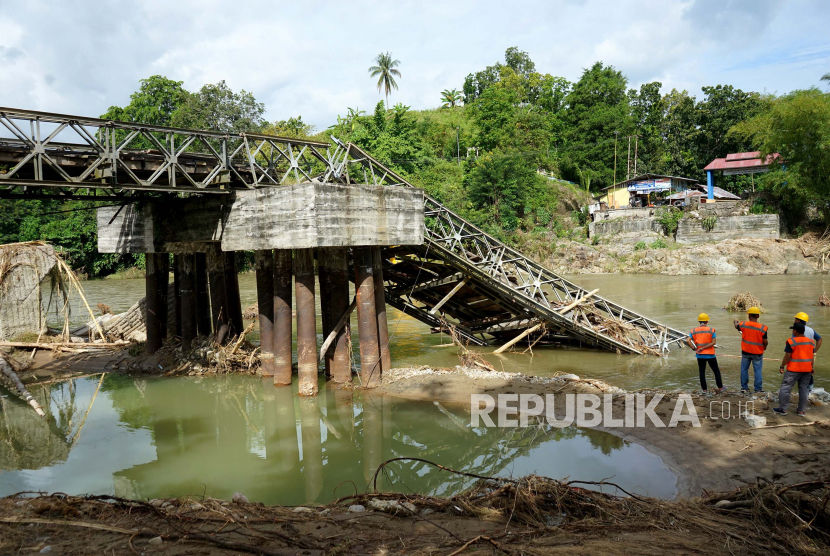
[530, 515]
[656, 254]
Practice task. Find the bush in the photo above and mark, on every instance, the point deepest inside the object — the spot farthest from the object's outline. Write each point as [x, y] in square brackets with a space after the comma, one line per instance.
[658, 244]
[640, 245]
[709, 222]
[669, 218]
[595, 240]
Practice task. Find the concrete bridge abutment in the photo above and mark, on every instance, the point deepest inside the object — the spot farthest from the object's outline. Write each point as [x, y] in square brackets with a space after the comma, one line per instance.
[283, 226]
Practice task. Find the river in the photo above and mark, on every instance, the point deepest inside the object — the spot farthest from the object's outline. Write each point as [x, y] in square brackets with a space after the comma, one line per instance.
[673, 300]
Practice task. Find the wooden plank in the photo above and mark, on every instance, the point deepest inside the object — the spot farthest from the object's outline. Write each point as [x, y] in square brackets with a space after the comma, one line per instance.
[518, 338]
[448, 296]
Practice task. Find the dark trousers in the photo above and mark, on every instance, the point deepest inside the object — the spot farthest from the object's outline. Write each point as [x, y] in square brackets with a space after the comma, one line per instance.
[701, 367]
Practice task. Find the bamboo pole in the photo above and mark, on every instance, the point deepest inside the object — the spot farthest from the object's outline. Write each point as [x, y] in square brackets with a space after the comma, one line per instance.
[577, 302]
[518, 338]
[448, 296]
[340, 324]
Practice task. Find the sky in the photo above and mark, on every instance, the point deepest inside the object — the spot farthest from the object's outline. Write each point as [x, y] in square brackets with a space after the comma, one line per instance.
[312, 58]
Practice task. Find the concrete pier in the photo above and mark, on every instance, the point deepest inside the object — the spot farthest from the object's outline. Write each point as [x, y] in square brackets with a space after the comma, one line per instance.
[367, 319]
[306, 322]
[264, 268]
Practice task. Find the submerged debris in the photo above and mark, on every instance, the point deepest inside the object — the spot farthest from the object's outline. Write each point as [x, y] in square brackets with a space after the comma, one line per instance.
[740, 302]
[823, 300]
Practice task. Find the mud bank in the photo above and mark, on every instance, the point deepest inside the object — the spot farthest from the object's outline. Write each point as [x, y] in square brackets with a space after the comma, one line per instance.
[618, 254]
[721, 454]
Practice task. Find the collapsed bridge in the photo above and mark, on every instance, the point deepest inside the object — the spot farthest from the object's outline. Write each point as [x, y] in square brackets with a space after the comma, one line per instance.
[203, 195]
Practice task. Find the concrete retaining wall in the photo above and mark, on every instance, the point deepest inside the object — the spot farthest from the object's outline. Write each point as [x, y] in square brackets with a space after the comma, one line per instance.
[614, 214]
[613, 227]
[690, 230]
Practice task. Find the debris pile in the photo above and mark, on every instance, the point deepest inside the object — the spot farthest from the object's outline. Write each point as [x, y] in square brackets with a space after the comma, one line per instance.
[823, 300]
[204, 357]
[740, 302]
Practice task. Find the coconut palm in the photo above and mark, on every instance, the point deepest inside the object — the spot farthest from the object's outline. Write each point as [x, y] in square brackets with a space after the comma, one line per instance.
[450, 98]
[385, 69]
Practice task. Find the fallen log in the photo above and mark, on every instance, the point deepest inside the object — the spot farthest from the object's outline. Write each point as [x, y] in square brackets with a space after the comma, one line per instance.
[340, 324]
[46, 345]
[17, 387]
[518, 338]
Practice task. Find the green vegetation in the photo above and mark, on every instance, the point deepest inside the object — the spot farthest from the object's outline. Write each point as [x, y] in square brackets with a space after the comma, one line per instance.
[659, 243]
[508, 151]
[640, 245]
[709, 222]
[385, 71]
[669, 218]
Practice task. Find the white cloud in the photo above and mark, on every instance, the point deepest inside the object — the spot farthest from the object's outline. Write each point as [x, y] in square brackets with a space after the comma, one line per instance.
[312, 58]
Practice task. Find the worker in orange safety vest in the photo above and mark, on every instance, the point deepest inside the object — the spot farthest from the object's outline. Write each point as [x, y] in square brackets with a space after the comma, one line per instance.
[753, 344]
[797, 368]
[702, 340]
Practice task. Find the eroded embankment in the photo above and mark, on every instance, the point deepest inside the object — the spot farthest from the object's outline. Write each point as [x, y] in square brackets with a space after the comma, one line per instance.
[720, 454]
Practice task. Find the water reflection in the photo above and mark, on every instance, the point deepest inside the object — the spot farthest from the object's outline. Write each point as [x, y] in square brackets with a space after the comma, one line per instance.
[216, 436]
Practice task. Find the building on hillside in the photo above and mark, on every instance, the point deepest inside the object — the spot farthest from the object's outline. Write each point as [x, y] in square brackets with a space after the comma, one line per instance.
[699, 190]
[637, 191]
[734, 164]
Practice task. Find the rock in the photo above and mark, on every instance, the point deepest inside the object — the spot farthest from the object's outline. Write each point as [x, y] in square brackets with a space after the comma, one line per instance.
[568, 376]
[393, 507]
[755, 421]
[239, 498]
[427, 511]
[800, 267]
[302, 510]
[166, 504]
[155, 541]
[820, 394]
[722, 503]
[45, 550]
[357, 508]
[325, 512]
[197, 506]
[156, 502]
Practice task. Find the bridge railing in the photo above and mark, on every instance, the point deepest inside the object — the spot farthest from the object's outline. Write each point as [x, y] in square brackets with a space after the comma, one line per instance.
[45, 149]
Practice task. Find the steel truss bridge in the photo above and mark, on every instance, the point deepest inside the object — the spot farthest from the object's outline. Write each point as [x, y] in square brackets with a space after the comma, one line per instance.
[461, 278]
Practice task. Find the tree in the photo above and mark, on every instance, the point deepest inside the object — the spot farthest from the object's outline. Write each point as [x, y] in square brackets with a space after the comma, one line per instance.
[384, 70]
[218, 108]
[647, 113]
[597, 107]
[154, 103]
[292, 127]
[678, 126]
[797, 126]
[450, 98]
[499, 184]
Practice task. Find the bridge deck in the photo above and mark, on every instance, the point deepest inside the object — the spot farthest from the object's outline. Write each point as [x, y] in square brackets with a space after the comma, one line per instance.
[460, 278]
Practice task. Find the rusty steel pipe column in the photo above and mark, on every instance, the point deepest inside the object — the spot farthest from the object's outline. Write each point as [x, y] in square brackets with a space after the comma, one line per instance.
[202, 297]
[283, 268]
[306, 322]
[325, 302]
[264, 268]
[367, 319]
[153, 304]
[177, 300]
[187, 293]
[163, 285]
[218, 294]
[338, 358]
[380, 309]
[232, 289]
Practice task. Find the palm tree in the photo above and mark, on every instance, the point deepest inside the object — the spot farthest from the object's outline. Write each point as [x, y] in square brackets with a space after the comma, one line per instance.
[385, 68]
[450, 98]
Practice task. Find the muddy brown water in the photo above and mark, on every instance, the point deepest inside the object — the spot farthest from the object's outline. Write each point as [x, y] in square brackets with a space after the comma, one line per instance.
[673, 300]
[149, 438]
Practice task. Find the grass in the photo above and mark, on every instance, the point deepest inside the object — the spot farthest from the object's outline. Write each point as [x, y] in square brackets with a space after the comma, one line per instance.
[129, 274]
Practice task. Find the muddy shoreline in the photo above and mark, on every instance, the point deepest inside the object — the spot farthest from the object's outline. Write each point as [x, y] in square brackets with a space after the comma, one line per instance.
[722, 456]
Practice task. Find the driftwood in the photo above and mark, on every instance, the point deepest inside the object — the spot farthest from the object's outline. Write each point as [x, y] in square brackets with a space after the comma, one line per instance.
[17, 387]
[577, 302]
[340, 324]
[46, 345]
[518, 338]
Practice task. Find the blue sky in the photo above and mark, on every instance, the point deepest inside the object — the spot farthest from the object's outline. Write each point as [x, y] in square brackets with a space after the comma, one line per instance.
[311, 58]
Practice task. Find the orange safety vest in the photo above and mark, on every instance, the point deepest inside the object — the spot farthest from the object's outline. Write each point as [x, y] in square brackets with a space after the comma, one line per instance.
[752, 336]
[703, 335]
[801, 359]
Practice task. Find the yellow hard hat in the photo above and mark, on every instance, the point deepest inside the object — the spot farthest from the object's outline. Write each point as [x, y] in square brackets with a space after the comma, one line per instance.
[802, 316]
[753, 311]
[703, 317]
